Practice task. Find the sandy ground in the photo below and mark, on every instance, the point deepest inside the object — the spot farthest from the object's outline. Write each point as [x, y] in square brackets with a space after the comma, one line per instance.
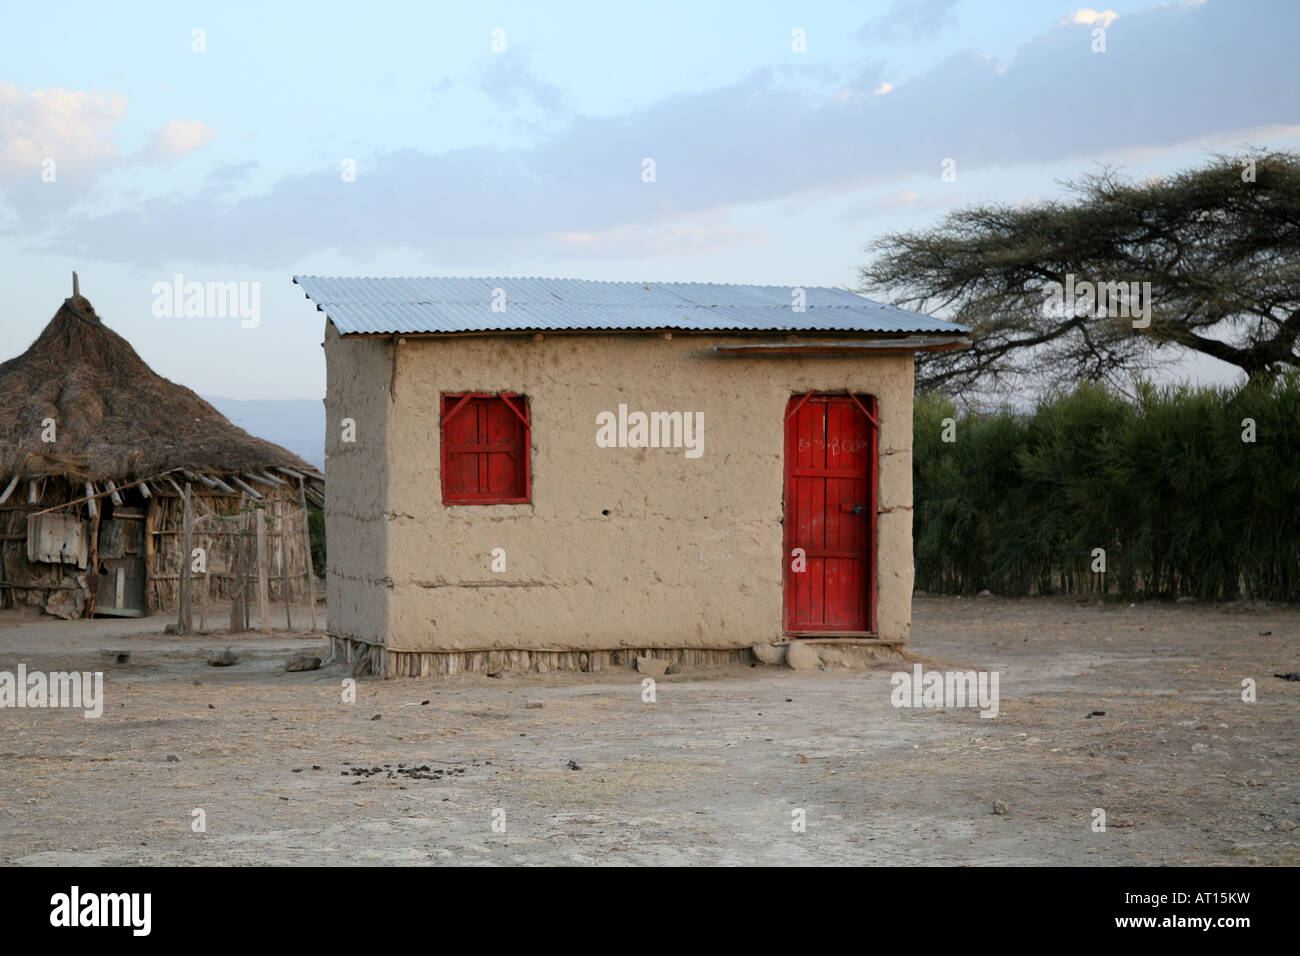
[711, 772]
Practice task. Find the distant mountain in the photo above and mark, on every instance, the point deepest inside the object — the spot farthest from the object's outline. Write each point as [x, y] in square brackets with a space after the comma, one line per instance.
[297, 424]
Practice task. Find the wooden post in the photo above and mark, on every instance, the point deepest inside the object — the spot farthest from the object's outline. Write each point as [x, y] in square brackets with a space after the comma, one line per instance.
[263, 582]
[284, 566]
[185, 622]
[92, 564]
[239, 594]
[203, 603]
[306, 533]
[150, 519]
[246, 542]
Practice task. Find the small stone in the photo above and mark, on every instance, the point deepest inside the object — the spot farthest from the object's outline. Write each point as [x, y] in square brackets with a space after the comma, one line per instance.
[302, 662]
[376, 717]
[985, 593]
[173, 758]
[534, 705]
[800, 758]
[212, 706]
[1287, 825]
[1000, 808]
[222, 658]
[803, 657]
[769, 653]
[573, 765]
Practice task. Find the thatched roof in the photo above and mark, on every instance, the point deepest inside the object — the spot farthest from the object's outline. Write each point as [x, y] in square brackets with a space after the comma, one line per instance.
[117, 420]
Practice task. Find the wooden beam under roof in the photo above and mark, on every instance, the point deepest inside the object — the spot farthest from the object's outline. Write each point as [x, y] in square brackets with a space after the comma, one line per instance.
[223, 486]
[916, 343]
[246, 486]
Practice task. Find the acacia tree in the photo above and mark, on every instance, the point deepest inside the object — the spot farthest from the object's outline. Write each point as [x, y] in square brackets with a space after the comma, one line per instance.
[1219, 245]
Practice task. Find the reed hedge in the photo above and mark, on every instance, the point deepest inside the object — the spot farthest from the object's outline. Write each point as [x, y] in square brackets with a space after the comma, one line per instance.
[1164, 483]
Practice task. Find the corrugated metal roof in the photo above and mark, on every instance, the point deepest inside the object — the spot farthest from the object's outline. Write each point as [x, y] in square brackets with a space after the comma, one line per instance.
[359, 306]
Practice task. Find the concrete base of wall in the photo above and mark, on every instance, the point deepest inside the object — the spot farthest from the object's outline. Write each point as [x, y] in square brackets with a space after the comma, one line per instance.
[381, 662]
[828, 653]
[807, 655]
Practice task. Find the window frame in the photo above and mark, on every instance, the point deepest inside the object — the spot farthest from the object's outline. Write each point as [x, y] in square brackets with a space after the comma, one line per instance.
[451, 404]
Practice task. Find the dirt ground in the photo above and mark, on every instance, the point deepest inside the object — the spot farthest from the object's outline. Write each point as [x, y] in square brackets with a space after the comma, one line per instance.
[581, 770]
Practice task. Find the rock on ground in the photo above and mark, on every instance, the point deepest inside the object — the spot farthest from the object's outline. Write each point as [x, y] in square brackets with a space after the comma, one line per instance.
[803, 657]
[652, 666]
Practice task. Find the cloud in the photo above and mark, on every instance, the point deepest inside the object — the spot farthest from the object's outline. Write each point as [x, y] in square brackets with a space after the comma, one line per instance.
[698, 236]
[893, 203]
[1090, 17]
[1182, 73]
[73, 127]
[909, 20]
[53, 145]
[509, 81]
[177, 137]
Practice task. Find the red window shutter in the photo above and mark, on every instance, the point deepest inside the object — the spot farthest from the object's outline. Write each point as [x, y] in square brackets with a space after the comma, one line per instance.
[485, 447]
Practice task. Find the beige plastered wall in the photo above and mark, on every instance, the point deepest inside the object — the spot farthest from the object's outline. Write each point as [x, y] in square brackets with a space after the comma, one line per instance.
[689, 553]
[356, 486]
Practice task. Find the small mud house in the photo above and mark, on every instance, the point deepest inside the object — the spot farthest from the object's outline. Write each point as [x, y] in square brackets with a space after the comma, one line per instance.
[96, 453]
[556, 474]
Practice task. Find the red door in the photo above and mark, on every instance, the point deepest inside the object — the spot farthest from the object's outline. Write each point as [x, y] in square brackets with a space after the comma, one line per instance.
[830, 513]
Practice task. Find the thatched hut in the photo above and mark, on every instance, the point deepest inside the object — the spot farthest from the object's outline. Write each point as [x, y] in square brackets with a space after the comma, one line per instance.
[97, 452]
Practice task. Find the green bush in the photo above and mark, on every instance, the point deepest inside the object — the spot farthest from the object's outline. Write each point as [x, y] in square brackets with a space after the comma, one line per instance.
[1164, 483]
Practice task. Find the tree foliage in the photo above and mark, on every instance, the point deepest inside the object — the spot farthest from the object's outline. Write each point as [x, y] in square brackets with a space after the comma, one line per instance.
[1219, 245]
[1164, 483]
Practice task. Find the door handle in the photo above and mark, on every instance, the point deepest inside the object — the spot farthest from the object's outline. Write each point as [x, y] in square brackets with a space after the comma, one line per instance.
[854, 509]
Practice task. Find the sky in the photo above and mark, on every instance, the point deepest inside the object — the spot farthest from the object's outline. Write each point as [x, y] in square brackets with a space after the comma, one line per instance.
[249, 142]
